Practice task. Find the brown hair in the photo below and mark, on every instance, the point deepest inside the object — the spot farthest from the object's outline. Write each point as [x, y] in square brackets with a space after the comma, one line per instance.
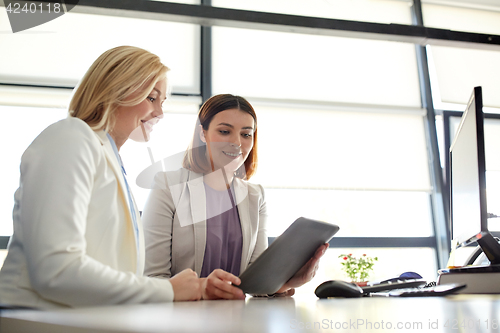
[111, 80]
[195, 158]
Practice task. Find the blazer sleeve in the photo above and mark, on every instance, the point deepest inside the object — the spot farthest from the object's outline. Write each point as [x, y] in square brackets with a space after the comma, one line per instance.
[158, 218]
[262, 241]
[57, 174]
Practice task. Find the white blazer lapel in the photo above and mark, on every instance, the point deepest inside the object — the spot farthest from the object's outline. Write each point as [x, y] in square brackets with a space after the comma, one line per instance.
[142, 245]
[122, 194]
[198, 207]
[241, 193]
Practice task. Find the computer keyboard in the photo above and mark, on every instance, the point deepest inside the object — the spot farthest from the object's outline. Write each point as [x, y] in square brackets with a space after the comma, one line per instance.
[441, 290]
[398, 284]
[410, 288]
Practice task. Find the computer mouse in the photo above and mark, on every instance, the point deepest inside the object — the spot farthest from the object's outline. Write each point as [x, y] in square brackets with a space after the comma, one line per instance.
[337, 288]
[404, 276]
[410, 275]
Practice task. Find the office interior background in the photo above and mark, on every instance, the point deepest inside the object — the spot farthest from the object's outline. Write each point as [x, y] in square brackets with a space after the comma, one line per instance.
[350, 116]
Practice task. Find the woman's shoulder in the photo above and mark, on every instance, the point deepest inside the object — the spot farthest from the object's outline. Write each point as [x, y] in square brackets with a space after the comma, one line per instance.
[173, 177]
[175, 174]
[252, 187]
[66, 132]
[70, 139]
[69, 124]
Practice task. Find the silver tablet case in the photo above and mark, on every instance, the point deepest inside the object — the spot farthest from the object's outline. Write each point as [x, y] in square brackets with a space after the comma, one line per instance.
[286, 255]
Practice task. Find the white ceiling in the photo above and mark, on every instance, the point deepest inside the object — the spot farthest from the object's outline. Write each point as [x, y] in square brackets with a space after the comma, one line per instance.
[480, 4]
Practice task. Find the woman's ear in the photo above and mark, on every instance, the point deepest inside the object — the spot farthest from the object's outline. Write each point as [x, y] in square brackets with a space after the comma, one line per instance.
[202, 134]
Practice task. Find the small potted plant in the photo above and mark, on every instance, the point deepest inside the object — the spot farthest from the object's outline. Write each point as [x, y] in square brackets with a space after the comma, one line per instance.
[357, 269]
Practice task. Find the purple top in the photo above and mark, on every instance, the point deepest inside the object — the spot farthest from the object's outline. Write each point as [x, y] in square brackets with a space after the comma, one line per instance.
[224, 237]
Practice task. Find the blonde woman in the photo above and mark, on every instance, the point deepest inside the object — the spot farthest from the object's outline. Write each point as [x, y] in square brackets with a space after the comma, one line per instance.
[78, 239]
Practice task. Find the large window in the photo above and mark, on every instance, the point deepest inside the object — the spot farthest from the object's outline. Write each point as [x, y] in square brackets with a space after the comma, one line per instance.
[343, 135]
[290, 67]
[345, 167]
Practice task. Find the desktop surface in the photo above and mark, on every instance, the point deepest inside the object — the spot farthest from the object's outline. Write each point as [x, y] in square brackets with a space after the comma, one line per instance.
[288, 314]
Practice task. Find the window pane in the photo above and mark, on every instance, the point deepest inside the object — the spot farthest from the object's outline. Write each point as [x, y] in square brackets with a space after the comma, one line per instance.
[320, 68]
[307, 148]
[366, 172]
[459, 70]
[35, 97]
[357, 213]
[59, 52]
[382, 11]
[462, 19]
[23, 124]
[391, 263]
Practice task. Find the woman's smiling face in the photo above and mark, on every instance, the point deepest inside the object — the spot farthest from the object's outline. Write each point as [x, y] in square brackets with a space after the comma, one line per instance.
[229, 139]
[137, 121]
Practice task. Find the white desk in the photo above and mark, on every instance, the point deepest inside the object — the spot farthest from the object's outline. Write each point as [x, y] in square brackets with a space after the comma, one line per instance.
[479, 313]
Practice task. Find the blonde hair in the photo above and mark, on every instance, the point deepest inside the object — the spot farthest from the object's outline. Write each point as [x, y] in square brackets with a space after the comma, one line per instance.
[113, 78]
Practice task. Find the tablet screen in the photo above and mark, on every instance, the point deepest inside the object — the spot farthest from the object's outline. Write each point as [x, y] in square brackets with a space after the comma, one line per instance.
[286, 255]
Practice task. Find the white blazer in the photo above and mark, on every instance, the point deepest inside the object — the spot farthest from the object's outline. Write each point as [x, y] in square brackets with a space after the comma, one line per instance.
[74, 243]
[175, 227]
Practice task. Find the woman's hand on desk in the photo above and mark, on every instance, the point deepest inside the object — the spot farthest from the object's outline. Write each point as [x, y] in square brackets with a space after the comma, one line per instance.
[305, 274]
[186, 286]
[219, 285]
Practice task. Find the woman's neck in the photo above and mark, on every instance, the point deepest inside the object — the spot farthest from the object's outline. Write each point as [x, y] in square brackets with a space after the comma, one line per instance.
[119, 140]
[219, 180]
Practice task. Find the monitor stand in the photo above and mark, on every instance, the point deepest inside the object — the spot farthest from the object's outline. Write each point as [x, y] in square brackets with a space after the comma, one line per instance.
[490, 247]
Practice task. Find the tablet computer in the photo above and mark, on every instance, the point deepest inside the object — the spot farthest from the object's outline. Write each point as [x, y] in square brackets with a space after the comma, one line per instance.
[285, 256]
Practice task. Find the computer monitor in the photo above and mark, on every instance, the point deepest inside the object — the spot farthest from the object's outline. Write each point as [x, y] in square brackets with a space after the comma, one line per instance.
[468, 214]
[468, 174]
